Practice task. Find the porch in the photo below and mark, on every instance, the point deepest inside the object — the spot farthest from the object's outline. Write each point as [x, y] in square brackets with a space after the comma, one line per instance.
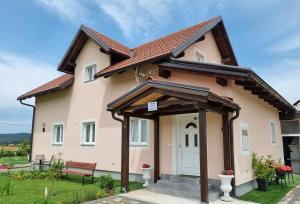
[173, 99]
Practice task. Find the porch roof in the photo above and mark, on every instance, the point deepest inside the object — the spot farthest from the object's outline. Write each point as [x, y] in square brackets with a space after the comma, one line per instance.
[172, 98]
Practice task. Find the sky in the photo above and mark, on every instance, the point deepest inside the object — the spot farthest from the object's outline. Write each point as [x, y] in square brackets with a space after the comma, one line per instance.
[34, 35]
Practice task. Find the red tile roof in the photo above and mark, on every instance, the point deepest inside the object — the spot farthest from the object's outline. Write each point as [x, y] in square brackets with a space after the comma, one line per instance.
[157, 48]
[114, 45]
[54, 85]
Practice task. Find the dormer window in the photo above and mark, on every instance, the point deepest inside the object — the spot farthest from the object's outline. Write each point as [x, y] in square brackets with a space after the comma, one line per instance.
[199, 57]
[90, 71]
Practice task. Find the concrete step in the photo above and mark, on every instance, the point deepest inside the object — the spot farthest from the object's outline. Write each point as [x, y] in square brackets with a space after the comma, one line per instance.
[213, 194]
[181, 179]
[195, 188]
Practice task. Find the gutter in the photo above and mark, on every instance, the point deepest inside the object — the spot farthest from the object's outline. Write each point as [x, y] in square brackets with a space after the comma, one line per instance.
[231, 146]
[32, 126]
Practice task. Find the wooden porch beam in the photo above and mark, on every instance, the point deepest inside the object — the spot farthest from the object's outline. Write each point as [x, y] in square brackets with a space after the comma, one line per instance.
[203, 156]
[156, 150]
[125, 155]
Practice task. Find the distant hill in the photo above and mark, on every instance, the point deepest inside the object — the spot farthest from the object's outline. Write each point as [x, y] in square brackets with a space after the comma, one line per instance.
[14, 138]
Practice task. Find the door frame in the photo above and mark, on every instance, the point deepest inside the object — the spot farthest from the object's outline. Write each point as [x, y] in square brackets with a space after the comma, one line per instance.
[176, 134]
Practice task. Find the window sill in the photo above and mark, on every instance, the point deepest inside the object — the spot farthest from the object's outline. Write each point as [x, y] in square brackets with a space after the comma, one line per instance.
[88, 145]
[57, 144]
[138, 145]
[89, 81]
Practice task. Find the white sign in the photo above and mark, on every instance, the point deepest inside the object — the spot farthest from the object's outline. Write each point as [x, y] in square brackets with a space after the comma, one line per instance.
[152, 106]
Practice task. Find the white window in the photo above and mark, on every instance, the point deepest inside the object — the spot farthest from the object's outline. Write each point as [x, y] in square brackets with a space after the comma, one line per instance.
[88, 133]
[90, 71]
[245, 138]
[199, 57]
[58, 134]
[273, 132]
[139, 132]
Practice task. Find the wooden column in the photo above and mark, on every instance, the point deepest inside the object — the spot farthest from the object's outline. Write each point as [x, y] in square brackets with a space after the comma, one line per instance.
[203, 156]
[125, 155]
[156, 149]
[226, 141]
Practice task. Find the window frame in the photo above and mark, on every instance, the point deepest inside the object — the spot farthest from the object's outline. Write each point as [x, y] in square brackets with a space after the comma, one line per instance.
[85, 67]
[271, 131]
[83, 136]
[243, 126]
[196, 50]
[139, 143]
[54, 142]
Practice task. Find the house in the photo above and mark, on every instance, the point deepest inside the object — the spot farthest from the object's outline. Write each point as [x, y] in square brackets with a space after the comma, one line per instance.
[180, 103]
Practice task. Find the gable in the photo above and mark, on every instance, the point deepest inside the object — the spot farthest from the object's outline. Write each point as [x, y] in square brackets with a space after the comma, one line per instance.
[207, 47]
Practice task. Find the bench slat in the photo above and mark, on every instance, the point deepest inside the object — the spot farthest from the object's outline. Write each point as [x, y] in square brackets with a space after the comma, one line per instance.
[80, 165]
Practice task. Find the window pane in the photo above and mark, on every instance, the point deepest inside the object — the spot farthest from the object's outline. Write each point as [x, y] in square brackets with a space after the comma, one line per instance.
[90, 72]
[87, 132]
[57, 133]
[245, 140]
[93, 132]
[199, 57]
[290, 127]
[135, 129]
[186, 140]
[196, 140]
[144, 130]
[273, 132]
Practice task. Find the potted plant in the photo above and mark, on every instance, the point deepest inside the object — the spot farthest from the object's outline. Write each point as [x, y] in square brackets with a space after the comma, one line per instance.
[262, 171]
[146, 174]
[226, 177]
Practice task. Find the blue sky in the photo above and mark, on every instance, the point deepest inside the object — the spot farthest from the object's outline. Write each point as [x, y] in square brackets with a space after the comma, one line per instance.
[34, 35]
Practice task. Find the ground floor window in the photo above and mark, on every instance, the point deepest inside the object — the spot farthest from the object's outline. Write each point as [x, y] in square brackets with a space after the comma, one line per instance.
[58, 131]
[273, 132]
[139, 132]
[88, 133]
[245, 138]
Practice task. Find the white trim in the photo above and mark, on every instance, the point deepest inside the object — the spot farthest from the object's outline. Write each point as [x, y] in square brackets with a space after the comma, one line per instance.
[271, 133]
[54, 143]
[84, 71]
[199, 51]
[174, 144]
[82, 140]
[244, 125]
[139, 144]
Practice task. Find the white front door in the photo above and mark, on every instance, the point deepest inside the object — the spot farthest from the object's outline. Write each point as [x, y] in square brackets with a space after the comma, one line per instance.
[189, 145]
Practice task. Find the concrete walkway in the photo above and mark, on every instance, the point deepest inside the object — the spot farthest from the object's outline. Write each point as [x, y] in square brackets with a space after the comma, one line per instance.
[151, 197]
[292, 197]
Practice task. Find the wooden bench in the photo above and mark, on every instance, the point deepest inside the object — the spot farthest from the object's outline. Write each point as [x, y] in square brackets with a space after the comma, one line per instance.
[80, 165]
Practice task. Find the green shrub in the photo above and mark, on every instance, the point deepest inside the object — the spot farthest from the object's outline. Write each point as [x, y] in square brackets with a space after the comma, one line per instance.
[262, 168]
[106, 182]
[56, 169]
[6, 188]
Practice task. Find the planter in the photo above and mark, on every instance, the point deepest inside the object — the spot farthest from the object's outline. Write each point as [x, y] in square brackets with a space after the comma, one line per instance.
[226, 187]
[146, 176]
[262, 184]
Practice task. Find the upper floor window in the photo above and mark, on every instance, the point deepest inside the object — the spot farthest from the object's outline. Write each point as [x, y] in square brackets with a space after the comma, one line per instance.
[88, 133]
[273, 132]
[58, 132]
[199, 57]
[139, 133]
[245, 138]
[90, 71]
[290, 127]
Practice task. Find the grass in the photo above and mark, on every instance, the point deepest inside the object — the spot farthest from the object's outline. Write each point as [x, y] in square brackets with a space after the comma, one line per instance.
[31, 191]
[14, 160]
[273, 194]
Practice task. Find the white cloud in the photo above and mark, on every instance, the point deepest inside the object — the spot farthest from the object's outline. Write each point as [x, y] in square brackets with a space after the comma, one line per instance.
[284, 76]
[71, 10]
[137, 18]
[286, 44]
[19, 74]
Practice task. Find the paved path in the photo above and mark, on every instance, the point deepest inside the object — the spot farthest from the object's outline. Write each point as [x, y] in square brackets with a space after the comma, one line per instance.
[292, 197]
[147, 197]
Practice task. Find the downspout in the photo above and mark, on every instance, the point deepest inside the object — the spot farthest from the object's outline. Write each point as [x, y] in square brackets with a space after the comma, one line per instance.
[231, 146]
[32, 127]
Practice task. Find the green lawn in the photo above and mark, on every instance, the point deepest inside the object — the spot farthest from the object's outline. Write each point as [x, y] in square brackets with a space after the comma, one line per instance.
[273, 194]
[14, 160]
[64, 191]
